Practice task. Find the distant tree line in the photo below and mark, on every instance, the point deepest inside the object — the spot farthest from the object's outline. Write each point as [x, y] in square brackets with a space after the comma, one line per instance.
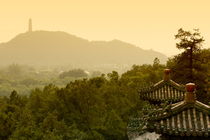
[75, 73]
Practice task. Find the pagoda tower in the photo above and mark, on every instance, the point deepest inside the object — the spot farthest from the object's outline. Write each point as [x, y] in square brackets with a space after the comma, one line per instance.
[30, 25]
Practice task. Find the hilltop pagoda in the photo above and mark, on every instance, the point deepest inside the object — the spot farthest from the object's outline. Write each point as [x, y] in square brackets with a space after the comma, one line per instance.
[30, 25]
[185, 120]
[164, 90]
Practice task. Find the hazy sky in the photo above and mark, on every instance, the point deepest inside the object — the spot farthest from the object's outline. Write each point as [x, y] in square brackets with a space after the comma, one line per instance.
[149, 24]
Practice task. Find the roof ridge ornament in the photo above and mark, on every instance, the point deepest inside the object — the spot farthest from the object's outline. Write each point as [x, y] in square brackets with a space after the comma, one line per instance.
[167, 74]
[190, 96]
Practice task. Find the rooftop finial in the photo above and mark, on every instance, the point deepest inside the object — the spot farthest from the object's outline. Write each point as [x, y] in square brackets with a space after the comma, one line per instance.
[190, 96]
[30, 25]
[167, 74]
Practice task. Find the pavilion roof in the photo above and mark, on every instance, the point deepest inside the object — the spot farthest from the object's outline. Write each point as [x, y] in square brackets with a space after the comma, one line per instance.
[164, 90]
[186, 118]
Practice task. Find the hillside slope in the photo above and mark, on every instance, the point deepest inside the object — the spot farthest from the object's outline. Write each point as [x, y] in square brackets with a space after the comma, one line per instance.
[60, 48]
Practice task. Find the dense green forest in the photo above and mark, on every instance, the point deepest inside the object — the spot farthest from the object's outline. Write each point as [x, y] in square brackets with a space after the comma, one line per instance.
[94, 108]
[77, 105]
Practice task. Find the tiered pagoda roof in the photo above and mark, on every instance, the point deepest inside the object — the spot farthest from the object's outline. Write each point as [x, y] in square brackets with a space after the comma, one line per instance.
[164, 90]
[188, 118]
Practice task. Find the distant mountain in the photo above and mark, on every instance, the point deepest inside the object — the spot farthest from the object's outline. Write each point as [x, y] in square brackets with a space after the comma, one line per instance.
[60, 48]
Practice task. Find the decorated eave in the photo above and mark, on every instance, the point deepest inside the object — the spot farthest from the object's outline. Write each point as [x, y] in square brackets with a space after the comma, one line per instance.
[165, 90]
[186, 118]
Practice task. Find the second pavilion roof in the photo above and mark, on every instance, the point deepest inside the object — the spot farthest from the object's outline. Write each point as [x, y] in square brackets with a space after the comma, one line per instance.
[164, 90]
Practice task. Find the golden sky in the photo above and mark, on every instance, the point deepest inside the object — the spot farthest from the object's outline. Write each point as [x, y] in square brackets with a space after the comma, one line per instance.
[149, 24]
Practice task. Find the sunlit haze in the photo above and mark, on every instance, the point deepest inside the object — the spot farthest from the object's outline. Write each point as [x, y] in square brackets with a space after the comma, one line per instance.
[149, 24]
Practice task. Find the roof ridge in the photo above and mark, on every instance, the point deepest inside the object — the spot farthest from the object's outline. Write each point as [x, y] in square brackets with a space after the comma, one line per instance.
[176, 108]
[169, 82]
[158, 83]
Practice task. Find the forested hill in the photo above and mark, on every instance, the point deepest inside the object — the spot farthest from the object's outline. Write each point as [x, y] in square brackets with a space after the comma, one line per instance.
[60, 48]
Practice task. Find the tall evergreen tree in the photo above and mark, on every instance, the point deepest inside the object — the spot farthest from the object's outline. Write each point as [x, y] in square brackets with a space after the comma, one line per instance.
[189, 66]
